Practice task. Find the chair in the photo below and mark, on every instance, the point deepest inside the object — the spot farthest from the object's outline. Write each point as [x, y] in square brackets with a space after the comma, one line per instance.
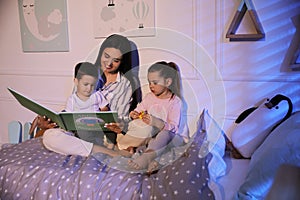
[15, 132]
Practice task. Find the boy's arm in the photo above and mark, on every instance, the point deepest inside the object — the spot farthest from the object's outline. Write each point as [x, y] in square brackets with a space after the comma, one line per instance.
[105, 108]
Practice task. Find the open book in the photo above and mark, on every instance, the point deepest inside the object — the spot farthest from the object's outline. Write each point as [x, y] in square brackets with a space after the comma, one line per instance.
[70, 121]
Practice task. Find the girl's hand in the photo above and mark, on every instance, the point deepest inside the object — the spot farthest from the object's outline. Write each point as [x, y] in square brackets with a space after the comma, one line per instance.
[134, 114]
[147, 118]
[153, 121]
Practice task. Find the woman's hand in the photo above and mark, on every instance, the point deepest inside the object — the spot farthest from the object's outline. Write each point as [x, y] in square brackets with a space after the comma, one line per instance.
[45, 123]
[42, 123]
[115, 127]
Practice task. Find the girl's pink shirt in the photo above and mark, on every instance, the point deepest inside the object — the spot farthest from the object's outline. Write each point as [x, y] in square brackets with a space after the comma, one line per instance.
[168, 110]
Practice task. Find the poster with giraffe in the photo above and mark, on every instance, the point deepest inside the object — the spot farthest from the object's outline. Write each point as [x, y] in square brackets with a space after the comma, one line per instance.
[43, 25]
[127, 17]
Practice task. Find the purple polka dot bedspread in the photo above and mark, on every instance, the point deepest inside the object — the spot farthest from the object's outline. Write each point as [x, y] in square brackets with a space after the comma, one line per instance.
[29, 171]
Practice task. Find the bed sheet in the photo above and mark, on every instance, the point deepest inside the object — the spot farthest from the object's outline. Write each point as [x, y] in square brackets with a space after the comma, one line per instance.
[236, 172]
[29, 171]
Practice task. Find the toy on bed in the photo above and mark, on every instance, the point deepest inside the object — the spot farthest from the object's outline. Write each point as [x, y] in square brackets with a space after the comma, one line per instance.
[281, 147]
[269, 134]
[30, 171]
[254, 124]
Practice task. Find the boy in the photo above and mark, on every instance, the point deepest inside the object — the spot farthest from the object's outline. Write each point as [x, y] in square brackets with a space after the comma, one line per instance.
[84, 98]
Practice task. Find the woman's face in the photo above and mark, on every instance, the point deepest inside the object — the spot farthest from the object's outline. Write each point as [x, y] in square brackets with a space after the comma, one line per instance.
[111, 60]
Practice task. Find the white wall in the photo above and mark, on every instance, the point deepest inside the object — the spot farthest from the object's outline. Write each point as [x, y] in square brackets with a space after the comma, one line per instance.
[186, 31]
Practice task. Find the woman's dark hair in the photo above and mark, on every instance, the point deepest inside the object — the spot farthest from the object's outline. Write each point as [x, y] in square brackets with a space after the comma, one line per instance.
[169, 70]
[118, 42]
[123, 44]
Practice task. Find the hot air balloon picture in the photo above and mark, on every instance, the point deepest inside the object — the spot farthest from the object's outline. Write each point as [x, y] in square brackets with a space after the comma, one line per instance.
[43, 25]
[140, 11]
[130, 17]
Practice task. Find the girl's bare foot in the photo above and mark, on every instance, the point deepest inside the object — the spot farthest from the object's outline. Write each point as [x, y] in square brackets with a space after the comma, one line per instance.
[153, 166]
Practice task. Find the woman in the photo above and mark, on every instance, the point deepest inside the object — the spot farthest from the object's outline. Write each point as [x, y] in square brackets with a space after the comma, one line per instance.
[119, 87]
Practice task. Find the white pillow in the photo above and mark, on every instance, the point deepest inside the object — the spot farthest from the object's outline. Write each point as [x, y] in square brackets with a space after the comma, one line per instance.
[280, 147]
[248, 134]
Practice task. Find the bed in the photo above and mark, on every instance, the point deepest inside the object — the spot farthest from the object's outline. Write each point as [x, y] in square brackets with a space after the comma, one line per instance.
[200, 169]
[29, 171]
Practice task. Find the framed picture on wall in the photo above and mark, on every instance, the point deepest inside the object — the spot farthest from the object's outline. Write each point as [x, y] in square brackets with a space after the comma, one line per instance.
[43, 25]
[132, 18]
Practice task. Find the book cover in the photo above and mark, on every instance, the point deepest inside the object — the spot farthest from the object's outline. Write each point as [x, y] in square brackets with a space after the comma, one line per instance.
[70, 121]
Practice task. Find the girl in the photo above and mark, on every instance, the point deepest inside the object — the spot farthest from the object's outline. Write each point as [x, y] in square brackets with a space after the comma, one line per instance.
[162, 109]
